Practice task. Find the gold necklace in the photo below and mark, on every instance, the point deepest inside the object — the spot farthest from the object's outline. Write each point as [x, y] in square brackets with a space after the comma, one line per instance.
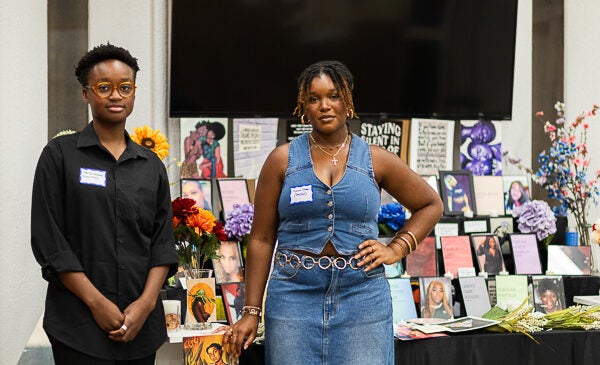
[334, 160]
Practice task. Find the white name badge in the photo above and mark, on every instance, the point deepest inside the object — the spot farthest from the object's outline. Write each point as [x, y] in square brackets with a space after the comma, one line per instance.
[92, 177]
[301, 194]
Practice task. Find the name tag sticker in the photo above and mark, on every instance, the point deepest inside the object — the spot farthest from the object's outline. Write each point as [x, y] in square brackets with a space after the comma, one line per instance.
[301, 194]
[92, 177]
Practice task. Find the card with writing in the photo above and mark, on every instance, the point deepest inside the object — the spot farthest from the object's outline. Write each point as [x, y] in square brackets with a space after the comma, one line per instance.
[456, 252]
[525, 253]
[403, 304]
[511, 289]
[475, 295]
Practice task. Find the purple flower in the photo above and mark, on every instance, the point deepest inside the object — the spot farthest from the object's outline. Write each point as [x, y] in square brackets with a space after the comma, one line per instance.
[239, 221]
[536, 217]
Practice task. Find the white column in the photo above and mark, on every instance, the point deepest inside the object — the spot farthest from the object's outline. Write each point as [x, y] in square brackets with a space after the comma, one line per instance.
[24, 116]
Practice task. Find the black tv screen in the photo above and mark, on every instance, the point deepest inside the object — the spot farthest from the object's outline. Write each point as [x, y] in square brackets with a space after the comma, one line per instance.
[449, 59]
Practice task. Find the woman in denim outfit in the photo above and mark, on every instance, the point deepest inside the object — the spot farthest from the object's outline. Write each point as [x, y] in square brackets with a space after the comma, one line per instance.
[328, 301]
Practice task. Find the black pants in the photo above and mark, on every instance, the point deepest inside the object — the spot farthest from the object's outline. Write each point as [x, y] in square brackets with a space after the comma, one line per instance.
[65, 355]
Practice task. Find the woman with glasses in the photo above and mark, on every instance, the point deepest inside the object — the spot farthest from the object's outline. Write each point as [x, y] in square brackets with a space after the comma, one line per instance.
[101, 227]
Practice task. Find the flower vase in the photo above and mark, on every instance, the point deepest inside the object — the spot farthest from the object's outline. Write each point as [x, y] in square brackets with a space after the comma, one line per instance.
[201, 299]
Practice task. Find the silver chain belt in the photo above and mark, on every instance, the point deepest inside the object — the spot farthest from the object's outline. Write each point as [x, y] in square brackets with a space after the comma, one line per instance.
[322, 262]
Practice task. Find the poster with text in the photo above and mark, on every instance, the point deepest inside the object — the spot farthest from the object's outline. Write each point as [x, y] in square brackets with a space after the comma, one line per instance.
[431, 145]
[390, 134]
[253, 140]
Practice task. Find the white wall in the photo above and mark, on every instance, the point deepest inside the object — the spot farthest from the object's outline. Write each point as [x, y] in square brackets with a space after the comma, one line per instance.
[582, 75]
[24, 116]
[141, 27]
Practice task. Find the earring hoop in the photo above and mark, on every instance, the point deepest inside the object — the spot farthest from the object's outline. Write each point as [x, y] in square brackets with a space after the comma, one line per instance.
[302, 121]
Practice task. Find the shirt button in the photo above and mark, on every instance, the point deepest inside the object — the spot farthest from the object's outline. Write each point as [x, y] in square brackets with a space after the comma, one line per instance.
[328, 192]
[329, 204]
[120, 242]
[330, 216]
[330, 228]
[122, 267]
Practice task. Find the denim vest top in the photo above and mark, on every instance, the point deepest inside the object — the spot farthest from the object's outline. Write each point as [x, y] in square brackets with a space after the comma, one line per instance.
[312, 213]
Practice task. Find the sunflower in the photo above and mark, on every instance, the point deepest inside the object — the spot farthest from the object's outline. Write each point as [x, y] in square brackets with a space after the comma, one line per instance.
[152, 140]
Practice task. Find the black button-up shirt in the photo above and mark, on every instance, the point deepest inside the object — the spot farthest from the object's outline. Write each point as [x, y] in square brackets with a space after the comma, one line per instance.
[111, 220]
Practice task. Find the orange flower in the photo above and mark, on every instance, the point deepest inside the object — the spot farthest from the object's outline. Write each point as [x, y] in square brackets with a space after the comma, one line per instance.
[202, 221]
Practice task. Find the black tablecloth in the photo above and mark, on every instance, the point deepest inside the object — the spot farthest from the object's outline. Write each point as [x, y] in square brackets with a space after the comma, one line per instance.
[487, 348]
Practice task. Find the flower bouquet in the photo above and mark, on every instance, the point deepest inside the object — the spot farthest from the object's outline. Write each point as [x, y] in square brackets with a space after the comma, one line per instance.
[563, 170]
[197, 234]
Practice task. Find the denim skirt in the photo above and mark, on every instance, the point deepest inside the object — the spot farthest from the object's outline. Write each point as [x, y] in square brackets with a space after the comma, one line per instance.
[333, 316]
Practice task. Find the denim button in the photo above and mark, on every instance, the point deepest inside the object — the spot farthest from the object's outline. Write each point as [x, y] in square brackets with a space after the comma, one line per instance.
[330, 228]
[328, 192]
[329, 204]
[330, 216]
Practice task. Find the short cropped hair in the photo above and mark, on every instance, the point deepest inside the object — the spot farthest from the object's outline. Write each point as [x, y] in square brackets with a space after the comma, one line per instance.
[101, 53]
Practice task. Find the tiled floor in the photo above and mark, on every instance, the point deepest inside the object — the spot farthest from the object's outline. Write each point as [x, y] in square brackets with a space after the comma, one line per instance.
[37, 351]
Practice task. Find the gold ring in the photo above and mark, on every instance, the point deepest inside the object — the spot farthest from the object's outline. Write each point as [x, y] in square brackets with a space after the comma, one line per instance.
[372, 249]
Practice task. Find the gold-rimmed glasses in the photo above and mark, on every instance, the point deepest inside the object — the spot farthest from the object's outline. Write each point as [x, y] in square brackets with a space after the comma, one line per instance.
[104, 89]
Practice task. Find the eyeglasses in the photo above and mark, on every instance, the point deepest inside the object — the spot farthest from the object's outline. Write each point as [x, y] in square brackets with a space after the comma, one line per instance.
[104, 89]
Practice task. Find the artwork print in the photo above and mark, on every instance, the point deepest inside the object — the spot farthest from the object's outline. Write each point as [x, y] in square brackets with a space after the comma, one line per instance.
[204, 148]
[456, 188]
[481, 148]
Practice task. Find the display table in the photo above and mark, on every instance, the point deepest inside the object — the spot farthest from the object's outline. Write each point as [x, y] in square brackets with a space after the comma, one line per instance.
[488, 348]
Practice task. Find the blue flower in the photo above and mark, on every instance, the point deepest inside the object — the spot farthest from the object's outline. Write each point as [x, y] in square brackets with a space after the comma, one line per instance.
[393, 215]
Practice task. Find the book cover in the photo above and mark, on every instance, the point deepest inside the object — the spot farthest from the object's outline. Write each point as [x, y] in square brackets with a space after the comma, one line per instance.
[525, 252]
[431, 145]
[475, 295]
[403, 305]
[423, 260]
[207, 349]
[393, 135]
[456, 252]
[233, 297]
[511, 289]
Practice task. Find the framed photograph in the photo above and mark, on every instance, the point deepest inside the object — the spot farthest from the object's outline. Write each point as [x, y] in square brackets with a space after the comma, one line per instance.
[423, 260]
[456, 188]
[525, 253]
[198, 189]
[456, 253]
[502, 227]
[233, 299]
[431, 145]
[569, 260]
[488, 253]
[489, 195]
[516, 191]
[548, 293]
[229, 268]
[436, 297]
[232, 191]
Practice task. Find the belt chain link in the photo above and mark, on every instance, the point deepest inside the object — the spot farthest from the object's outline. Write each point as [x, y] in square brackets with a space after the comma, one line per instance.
[322, 262]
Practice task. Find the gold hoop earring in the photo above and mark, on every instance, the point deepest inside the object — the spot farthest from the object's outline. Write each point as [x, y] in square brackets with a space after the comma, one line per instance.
[302, 121]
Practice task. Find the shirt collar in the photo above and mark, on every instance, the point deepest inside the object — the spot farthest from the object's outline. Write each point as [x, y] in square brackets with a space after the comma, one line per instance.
[88, 138]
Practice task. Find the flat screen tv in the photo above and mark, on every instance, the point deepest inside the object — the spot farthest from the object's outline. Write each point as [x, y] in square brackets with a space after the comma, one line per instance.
[449, 59]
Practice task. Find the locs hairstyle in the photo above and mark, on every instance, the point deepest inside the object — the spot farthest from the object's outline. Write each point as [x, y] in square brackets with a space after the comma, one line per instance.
[101, 53]
[339, 74]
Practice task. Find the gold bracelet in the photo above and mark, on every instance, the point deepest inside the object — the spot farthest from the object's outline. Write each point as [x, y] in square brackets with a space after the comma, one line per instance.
[252, 310]
[412, 236]
[410, 249]
[401, 248]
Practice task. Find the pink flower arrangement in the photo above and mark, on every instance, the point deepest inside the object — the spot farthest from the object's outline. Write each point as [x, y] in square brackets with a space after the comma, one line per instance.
[563, 170]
